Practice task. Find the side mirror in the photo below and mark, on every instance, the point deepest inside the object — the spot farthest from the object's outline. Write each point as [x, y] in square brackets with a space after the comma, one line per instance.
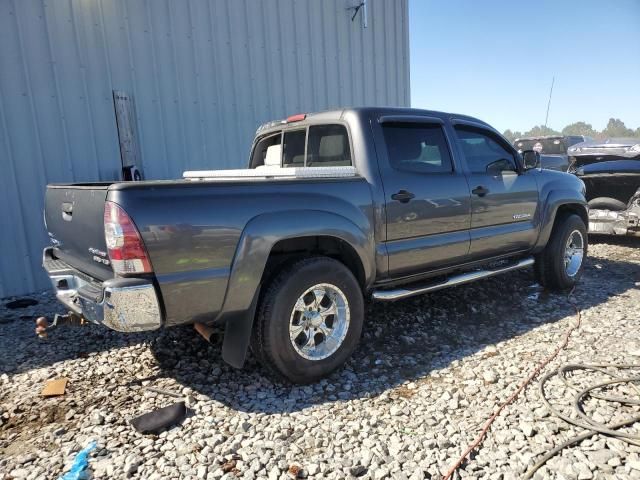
[530, 159]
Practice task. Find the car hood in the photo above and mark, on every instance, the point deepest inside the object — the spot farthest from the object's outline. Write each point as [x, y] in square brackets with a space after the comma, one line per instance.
[616, 147]
[610, 167]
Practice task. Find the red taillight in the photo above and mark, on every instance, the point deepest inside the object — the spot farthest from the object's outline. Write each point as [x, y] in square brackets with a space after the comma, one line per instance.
[296, 118]
[124, 243]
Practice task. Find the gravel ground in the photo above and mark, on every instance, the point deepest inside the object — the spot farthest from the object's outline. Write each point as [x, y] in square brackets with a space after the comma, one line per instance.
[428, 373]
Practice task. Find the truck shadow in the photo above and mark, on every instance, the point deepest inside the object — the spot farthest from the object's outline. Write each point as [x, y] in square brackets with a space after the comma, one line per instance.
[620, 240]
[402, 342]
[22, 351]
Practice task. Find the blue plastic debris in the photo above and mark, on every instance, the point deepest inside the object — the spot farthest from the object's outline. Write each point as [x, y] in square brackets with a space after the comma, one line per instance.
[78, 470]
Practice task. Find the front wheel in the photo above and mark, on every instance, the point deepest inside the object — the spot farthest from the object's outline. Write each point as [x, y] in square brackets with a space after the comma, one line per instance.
[309, 320]
[559, 266]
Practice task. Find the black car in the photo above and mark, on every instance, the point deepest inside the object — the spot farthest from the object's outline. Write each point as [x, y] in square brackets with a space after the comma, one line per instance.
[552, 149]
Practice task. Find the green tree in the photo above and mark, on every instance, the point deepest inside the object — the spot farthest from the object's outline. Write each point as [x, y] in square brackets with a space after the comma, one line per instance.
[616, 128]
[579, 128]
[541, 131]
[511, 136]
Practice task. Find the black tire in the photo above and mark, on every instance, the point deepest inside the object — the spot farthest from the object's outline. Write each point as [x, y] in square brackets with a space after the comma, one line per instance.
[550, 268]
[271, 342]
[606, 203]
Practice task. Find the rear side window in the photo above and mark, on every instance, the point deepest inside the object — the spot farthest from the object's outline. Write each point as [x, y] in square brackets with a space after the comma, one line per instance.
[328, 146]
[417, 147]
[293, 148]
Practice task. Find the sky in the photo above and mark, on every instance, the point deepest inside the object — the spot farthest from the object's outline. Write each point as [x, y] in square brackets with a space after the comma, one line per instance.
[495, 60]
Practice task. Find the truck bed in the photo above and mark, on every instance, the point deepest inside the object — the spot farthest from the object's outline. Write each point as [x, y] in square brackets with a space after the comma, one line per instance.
[191, 229]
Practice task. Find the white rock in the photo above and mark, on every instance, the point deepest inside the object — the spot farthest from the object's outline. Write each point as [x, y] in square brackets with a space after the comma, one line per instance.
[489, 376]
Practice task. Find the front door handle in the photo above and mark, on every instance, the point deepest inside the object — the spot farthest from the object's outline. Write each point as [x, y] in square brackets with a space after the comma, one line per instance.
[480, 191]
[403, 196]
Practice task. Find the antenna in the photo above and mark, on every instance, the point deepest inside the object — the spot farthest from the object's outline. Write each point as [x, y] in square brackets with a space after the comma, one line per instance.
[549, 102]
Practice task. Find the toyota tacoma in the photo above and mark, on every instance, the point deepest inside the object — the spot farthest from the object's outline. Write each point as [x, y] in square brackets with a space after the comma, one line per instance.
[333, 208]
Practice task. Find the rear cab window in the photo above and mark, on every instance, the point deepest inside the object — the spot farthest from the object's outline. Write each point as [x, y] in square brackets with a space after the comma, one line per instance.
[324, 145]
[293, 146]
[270, 144]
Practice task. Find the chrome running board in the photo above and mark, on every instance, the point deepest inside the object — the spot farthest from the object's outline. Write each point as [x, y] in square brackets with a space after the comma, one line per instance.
[398, 293]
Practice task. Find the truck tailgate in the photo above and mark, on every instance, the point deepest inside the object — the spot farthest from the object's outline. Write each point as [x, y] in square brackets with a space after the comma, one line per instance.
[75, 225]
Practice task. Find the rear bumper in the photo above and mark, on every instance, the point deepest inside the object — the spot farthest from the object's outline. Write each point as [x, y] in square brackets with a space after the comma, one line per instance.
[122, 304]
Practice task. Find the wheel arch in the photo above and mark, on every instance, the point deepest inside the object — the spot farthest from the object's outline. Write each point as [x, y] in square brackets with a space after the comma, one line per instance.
[268, 236]
[573, 208]
[557, 204]
[316, 245]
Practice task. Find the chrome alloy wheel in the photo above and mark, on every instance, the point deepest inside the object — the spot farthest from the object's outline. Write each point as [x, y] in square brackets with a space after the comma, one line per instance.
[573, 253]
[319, 321]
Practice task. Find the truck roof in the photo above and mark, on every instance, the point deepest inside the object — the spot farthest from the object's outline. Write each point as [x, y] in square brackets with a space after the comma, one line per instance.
[339, 114]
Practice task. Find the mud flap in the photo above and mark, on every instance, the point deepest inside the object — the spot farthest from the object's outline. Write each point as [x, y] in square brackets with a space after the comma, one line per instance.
[237, 334]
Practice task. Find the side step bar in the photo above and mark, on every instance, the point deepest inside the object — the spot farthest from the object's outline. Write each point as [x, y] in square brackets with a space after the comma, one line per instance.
[398, 293]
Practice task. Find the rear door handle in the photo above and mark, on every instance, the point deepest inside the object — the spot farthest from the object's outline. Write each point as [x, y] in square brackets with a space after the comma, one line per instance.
[480, 191]
[403, 196]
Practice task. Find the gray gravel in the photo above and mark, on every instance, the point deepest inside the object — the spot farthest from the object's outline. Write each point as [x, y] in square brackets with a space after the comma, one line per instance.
[428, 373]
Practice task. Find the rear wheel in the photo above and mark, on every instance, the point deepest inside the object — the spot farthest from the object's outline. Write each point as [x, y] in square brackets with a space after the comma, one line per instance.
[559, 266]
[309, 320]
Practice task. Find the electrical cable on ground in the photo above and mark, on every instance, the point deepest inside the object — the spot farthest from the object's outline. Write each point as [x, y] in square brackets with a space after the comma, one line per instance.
[587, 423]
[590, 425]
[514, 395]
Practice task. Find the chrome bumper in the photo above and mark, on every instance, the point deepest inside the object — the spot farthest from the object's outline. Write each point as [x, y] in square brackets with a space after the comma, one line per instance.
[122, 304]
[609, 222]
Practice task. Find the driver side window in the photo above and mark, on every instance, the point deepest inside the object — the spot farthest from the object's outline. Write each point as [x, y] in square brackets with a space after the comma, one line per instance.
[483, 153]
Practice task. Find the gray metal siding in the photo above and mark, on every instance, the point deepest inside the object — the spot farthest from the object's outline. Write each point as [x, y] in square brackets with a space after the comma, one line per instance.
[203, 75]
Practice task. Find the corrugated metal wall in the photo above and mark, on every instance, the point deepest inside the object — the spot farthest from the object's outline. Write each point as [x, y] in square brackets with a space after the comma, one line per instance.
[203, 75]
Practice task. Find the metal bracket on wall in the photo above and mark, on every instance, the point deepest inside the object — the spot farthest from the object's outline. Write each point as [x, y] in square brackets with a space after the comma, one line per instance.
[127, 130]
[361, 7]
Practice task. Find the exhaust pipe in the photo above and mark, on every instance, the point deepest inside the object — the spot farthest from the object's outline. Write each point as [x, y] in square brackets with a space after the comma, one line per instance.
[210, 334]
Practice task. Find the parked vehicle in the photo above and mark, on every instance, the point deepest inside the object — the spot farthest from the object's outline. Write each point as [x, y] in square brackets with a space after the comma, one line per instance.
[610, 170]
[334, 206]
[552, 149]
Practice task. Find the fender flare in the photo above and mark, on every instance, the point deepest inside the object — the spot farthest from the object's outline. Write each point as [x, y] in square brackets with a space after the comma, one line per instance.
[254, 247]
[553, 202]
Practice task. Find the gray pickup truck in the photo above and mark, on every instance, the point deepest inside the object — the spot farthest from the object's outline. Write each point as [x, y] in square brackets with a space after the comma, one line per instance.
[333, 207]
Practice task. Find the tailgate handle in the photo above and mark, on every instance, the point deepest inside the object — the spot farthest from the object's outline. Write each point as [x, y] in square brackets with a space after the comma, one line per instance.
[67, 211]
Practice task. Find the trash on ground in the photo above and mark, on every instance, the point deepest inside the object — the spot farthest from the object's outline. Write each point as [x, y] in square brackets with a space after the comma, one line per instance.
[295, 471]
[155, 421]
[21, 303]
[78, 470]
[229, 466]
[54, 387]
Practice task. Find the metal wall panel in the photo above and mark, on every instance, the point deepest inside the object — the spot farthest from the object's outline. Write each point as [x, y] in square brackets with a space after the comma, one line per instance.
[204, 74]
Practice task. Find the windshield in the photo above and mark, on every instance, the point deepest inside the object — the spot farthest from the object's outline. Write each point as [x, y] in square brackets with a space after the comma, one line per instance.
[548, 146]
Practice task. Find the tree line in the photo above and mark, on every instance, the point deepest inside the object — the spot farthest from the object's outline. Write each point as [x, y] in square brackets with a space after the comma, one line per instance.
[615, 128]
